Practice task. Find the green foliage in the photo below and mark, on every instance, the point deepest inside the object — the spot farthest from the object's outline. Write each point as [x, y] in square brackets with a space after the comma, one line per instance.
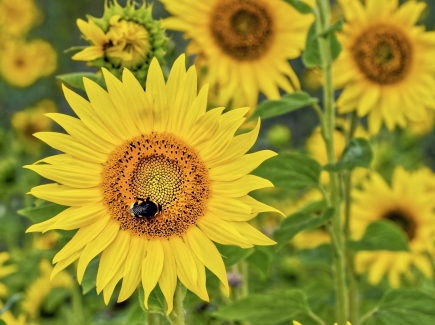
[403, 307]
[290, 171]
[300, 6]
[156, 301]
[311, 55]
[287, 103]
[232, 255]
[55, 298]
[90, 277]
[358, 153]
[298, 222]
[381, 235]
[42, 212]
[262, 260]
[76, 79]
[279, 135]
[332, 29]
[267, 308]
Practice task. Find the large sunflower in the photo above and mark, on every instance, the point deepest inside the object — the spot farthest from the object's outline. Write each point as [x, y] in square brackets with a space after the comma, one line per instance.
[386, 65]
[151, 178]
[409, 203]
[243, 44]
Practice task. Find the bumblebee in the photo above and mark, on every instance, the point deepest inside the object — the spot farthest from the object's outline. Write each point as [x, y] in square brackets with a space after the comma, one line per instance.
[145, 209]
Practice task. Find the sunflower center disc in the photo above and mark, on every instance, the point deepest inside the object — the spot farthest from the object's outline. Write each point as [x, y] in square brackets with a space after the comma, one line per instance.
[243, 29]
[383, 53]
[164, 169]
[404, 221]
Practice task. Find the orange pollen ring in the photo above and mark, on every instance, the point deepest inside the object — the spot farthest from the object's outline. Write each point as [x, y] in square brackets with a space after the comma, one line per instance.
[383, 54]
[243, 29]
[164, 169]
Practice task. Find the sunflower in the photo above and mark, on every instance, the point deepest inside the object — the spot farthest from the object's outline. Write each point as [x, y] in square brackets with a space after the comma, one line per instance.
[42, 286]
[151, 178]
[10, 319]
[244, 45]
[5, 271]
[409, 203]
[123, 38]
[386, 65]
[21, 63]
[17, 17]
[424, 126]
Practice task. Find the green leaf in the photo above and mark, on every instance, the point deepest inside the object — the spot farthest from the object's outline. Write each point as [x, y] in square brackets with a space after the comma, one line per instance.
[156, 301]
[55, 298]
[358, 153]
[136, 315]
[287, 103]
[269, 308]
[75, 48]
[2, 322]
[233, 254]
[404, 307]
[315, 207]
[290, 171]
[261, 259]
[311, 55]
[90, 277]
[76, 79]
[298, 222]
[381, 235]
[300, 6]
[331, 29]
[42, 212]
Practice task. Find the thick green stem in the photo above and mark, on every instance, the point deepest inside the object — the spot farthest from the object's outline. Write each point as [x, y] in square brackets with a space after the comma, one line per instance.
[322, 24]
[176, 317]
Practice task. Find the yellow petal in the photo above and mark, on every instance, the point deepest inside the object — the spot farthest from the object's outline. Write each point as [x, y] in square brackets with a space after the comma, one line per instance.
[238, 147]
[205, 127]
[175, 78]
[79, 131]
[87, 115]
[201, 280]
[116, 93]
[156, 92]
[82, 237]
[133, 267]
[65, 195]
[69, 145]
[78, 217]
[138, 103]
[112, 259]
[253, 235]
[42, 226]
[64, 160]
[152, 267]
[62, 264]
[257, 206]
[168, 278]
[240, 167]
[207, 253]
[95, 247]
[77, 177]
[221, 231]
[108, 289]
[196, 110]
[89, 54]
[229, 209]
[103, 106]
[241, 186]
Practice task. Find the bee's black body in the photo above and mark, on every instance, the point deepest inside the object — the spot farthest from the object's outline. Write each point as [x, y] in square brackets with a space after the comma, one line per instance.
[145, 208]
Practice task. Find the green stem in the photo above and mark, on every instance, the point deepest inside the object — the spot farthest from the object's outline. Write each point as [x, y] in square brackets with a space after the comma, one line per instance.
[243, 291]
[316, 318]
[347, 179]
[152, 318]
[77, 304]
[367, 316]
[322, 24]
[176, 317]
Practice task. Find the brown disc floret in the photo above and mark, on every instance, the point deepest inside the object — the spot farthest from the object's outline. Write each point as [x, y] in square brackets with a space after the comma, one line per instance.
[163, 169]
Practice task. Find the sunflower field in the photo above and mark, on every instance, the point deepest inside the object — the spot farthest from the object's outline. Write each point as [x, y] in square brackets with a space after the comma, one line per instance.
[217, 162]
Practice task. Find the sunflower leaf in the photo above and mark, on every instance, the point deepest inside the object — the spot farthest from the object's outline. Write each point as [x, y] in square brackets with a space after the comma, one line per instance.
[76, 79]
[311, 55]
[403, 306]
[90, 277]
[300, 6]
[358, 153]
[42, 212]
[262, 260]
[298, 222]
[381, 235]
[290, 171]
[156, 301]
[268, 308]
[331, 29]
[233, 254]
[287, 103]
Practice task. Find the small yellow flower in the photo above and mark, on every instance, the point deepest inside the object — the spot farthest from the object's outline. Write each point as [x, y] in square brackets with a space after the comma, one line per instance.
[22, 63]
[423, 126]
[5, 271]
[17, 17]
[42, 286]
[409, 203]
